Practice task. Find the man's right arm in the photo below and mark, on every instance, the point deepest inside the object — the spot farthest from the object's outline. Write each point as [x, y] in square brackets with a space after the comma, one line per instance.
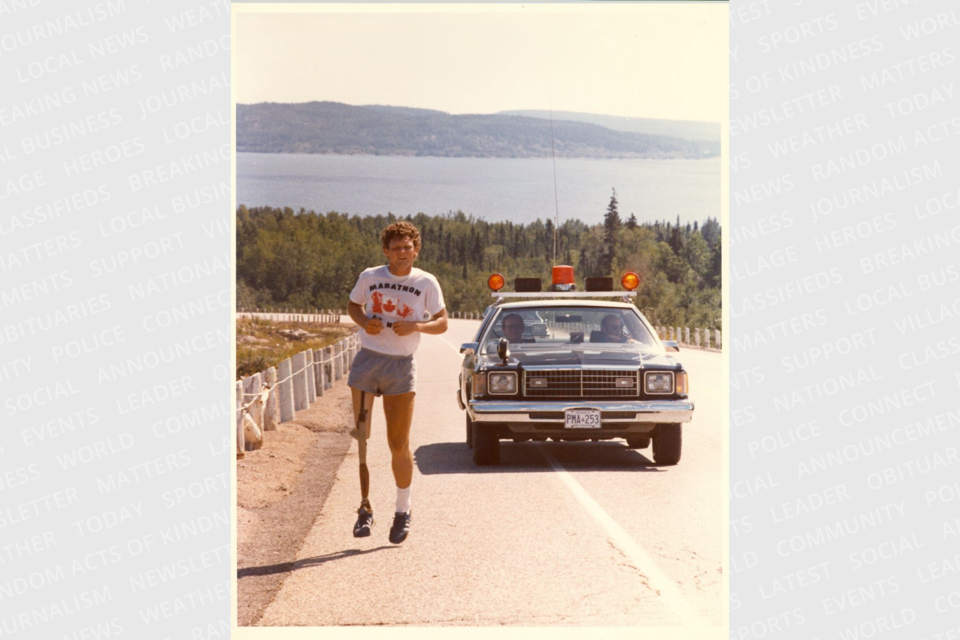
[370, 325]
[357, 314]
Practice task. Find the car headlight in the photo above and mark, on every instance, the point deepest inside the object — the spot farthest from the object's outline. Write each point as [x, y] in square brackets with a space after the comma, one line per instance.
[658, 383]
[503, 383]
[479, 384]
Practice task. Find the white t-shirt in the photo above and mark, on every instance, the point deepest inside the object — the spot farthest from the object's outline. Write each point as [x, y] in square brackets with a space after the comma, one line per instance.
[413, 297]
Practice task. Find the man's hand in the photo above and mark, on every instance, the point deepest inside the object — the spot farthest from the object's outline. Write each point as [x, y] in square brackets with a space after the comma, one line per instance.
[373, 326]
[404, 328]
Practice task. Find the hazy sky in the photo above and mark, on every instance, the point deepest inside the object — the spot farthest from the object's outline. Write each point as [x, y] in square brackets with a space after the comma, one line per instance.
[653, 61]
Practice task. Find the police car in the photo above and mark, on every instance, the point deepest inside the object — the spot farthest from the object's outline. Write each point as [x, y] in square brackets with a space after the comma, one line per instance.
[600, 372]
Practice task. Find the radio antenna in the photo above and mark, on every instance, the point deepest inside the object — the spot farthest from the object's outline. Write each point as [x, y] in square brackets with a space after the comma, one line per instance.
[556, 204]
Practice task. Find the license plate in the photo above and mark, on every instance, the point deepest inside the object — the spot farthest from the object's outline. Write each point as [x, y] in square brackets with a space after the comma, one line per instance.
[581, 419]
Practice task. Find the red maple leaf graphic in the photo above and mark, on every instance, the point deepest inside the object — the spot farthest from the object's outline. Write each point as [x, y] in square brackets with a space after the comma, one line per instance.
[404, 311]
[389, 306]
[377, 300]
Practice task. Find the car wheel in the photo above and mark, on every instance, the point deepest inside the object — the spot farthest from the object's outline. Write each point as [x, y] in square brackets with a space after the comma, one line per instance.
[469, 430]
[486, 445]
[666, 444]
[638, 442]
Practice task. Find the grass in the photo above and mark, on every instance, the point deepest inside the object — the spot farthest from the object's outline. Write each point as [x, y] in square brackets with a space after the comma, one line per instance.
[274, 348]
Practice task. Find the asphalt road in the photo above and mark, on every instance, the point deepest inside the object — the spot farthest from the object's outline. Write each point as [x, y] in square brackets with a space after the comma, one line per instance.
[578, 534]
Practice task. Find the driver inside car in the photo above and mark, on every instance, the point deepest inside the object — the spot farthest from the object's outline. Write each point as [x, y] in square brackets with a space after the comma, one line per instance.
[513, 327]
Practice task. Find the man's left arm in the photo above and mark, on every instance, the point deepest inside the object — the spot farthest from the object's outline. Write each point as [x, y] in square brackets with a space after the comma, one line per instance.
[436, 325]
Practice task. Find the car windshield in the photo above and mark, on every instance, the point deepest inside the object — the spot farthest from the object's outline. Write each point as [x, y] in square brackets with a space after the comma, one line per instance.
[535, 328]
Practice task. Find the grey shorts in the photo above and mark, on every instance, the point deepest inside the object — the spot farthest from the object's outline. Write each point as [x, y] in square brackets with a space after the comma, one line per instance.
[383, 374]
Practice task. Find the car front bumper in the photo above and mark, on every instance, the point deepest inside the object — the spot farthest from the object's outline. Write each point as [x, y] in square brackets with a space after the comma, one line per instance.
[519, 413]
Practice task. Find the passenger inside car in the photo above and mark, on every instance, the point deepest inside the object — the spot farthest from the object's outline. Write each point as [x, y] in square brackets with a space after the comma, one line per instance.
[611, 330]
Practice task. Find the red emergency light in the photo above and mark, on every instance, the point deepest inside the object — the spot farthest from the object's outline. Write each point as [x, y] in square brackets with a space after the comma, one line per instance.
[563, 279]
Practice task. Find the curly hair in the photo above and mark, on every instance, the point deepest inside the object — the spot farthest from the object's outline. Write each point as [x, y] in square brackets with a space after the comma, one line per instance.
[398, 230]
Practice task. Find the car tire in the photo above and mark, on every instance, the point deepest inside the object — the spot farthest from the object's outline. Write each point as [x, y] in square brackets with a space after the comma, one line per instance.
[667, 444]
[638, 442]
[469, 430]
[486, 445]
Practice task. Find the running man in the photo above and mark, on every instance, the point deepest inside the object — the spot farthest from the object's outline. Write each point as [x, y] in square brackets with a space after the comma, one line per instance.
[393, 304]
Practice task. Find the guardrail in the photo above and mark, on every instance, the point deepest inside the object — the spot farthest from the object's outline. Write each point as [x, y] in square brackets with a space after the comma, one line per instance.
[682, 335]
[330, 316]
[325, 315]
[701, 337]
[698, 337]
[272, 397]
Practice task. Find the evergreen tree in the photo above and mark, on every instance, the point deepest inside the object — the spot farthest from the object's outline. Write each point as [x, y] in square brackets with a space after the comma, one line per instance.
[584, 263]
[711, 232]
[676, 238]
[632, 222]
[477, 250]
[611, 236]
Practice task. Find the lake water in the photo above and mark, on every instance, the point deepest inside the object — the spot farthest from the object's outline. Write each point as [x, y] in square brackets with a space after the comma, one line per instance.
[496, 189]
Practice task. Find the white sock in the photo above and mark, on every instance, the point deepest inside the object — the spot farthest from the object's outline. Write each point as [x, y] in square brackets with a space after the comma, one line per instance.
[403, 500]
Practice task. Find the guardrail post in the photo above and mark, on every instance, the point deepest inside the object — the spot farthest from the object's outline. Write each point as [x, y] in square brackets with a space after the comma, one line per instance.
[299, 381]
[328, 367]
[697, 337]
[686, 333]
[337, 361]
[717, 341]
[271, 411]
[311, 382]
[706, 342]
[285, 387]
[251, 390]
[241, 441]
[318, 372]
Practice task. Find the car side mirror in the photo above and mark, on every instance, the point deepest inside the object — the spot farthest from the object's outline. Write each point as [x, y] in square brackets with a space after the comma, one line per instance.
[670, 345]
[503, 350]
[469, 348]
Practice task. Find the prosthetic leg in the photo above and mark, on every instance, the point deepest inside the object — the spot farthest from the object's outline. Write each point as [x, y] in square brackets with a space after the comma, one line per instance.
[365, 512]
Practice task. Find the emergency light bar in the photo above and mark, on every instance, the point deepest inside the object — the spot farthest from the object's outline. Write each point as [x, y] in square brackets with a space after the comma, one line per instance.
[563, 285]
[565, 294]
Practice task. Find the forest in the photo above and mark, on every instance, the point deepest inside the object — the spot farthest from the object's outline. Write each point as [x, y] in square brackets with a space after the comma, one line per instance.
[304, 259]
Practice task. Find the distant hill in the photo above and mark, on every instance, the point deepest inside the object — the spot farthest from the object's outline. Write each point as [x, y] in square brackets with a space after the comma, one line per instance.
[686, 129]
[336, 128]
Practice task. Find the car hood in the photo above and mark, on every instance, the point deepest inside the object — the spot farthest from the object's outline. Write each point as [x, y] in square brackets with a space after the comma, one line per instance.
[585, 358]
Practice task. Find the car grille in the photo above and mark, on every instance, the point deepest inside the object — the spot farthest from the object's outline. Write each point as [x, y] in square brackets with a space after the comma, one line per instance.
[577, 383]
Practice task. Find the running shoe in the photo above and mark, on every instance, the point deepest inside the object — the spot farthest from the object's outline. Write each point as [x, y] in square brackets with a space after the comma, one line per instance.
[364, 523]
[400, 528]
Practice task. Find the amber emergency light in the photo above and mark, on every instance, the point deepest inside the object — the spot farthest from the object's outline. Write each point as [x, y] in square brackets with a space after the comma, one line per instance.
[495, 282]
[630, 281]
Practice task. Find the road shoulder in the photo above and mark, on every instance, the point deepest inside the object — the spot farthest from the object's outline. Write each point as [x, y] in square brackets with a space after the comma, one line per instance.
[281, 489]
